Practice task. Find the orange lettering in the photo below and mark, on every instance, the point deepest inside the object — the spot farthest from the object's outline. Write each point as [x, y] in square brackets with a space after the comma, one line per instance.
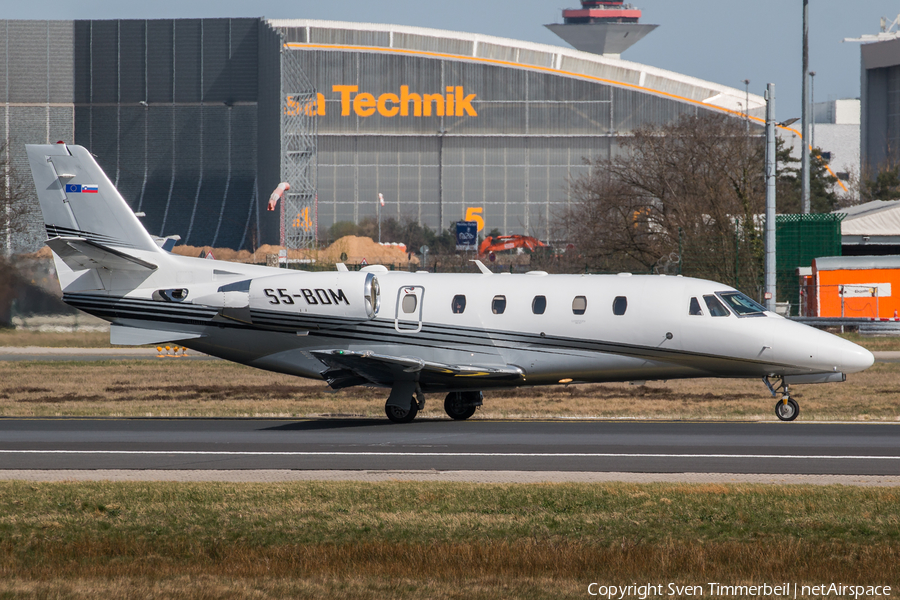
[405, 98]
[454, 102]
[450, 102]
[464, 105]
[320, 104]
[345, 91]
[438, 101]
[364, 104]
[383, 110]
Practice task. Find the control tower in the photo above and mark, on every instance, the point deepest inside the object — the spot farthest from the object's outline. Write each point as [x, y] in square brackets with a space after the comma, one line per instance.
[607, 27]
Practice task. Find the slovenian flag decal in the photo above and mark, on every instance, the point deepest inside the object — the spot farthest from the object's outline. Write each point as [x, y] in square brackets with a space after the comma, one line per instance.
[78, 188]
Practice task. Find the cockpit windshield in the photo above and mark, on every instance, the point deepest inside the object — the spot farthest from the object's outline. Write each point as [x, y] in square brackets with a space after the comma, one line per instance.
[741, 305]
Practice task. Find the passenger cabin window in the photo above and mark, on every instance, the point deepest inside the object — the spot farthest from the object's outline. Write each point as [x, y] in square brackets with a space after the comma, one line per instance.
[539, 305]
[458, 305]
[409, 303]
[579, 305]
[620, 305]
[498, 305]
[695, 308]
[742, 305]
[715, 307]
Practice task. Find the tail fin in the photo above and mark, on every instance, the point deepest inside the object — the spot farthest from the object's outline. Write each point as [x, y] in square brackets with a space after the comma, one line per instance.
[78, 200]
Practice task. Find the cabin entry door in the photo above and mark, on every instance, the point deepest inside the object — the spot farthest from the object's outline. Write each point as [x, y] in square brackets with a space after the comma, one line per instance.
[408, 310]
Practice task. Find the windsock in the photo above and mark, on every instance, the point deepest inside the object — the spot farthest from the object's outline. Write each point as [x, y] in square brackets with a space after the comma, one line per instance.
[278, 193]
[381, 198]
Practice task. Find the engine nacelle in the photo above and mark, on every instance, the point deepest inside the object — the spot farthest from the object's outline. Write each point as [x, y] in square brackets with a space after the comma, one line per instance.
[329, 294]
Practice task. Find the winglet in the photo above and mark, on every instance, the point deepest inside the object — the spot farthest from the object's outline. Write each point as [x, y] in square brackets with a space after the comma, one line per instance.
[481, 267]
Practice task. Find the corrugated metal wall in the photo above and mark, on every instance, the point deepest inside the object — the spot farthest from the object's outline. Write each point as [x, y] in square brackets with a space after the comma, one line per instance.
[169, 107]
[184, 115]
[36, 89]
[514, 159]
[269, 130]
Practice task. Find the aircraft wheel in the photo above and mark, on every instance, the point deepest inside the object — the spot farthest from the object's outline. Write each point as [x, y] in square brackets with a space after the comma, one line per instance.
[458, 406]
[397, 414]
[787, 411]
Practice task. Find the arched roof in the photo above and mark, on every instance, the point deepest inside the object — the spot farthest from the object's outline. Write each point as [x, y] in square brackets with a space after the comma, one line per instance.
[436, 43]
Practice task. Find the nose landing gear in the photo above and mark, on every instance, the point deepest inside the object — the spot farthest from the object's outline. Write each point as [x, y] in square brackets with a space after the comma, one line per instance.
[787, 408]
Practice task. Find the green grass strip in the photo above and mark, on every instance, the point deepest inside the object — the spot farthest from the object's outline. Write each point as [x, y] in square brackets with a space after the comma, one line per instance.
[439, 536]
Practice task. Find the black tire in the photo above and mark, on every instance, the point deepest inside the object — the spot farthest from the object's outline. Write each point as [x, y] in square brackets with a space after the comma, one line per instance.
[459, 406]
[787, 412]
[399, 415]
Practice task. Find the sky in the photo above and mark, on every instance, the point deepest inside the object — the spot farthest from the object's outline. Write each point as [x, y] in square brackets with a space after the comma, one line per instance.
[723, 41]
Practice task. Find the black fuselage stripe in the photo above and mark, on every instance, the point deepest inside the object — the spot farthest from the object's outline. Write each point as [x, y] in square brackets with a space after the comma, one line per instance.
[368, 331]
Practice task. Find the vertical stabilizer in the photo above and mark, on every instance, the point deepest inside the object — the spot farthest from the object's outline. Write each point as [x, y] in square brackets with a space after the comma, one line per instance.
[78, 200]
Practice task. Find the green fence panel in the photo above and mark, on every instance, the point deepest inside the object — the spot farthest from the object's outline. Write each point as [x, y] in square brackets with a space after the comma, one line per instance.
[798, 240]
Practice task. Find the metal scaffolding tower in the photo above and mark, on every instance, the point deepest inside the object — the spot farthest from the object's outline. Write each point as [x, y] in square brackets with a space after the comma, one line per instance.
[299, 207]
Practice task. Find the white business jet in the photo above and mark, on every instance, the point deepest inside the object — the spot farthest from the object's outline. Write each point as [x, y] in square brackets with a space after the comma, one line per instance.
[415, 333]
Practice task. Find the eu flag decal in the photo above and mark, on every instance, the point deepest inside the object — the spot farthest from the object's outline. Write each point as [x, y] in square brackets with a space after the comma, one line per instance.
[78, 188]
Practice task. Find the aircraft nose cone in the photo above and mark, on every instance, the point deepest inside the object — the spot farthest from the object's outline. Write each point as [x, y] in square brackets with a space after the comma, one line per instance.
[856, 359]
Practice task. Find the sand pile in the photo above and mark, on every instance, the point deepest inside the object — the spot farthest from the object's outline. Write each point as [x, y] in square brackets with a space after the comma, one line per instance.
[358, 248]
[350, 249]
[228, 254]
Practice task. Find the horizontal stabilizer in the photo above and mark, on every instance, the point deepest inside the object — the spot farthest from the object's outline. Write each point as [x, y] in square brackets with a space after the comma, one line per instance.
[80, 254]
[120, 335]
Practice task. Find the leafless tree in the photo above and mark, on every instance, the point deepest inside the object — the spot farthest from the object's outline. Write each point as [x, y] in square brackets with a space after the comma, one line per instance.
[13, 208]
[689, 192]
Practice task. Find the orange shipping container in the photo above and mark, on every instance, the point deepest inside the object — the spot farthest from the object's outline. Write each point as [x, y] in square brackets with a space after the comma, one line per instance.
[856, 286]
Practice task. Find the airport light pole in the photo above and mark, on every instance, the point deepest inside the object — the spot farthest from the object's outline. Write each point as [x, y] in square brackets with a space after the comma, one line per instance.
[747, 104]
[812, 107]
[804, 125]
[770, 198]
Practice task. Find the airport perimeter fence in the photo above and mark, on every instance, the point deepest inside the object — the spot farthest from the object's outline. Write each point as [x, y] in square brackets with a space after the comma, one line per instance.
[799, 240]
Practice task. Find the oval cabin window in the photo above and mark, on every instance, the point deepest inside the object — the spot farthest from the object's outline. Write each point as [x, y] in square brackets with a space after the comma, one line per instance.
[620, 305]
[498, 305]
[409, 303]
[539, 305]
[579, 305]
[458, 305]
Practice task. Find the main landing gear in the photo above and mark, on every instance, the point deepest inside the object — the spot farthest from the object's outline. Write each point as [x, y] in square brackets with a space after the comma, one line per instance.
[787, 408]
[405, 402]
[407, 399]
[459, 406]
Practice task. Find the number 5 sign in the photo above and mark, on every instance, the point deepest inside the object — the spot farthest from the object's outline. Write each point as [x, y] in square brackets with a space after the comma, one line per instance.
[474, 213]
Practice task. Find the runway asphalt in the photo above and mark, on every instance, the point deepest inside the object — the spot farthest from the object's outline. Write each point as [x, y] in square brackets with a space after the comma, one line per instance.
[444, 445]
[373, 449]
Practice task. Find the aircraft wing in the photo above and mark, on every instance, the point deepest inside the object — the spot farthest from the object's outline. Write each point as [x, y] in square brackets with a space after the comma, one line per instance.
[347, 368]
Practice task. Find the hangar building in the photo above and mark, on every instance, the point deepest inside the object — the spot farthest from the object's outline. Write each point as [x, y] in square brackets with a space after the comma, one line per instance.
[880, 91]
[198, 120]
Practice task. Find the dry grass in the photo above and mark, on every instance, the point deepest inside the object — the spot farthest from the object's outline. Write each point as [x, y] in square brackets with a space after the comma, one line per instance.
[170, 388]
[873, 342]
[430, 540]
[75, 339]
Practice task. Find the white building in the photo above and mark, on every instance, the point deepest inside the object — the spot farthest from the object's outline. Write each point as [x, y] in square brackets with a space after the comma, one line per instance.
[835, 130]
